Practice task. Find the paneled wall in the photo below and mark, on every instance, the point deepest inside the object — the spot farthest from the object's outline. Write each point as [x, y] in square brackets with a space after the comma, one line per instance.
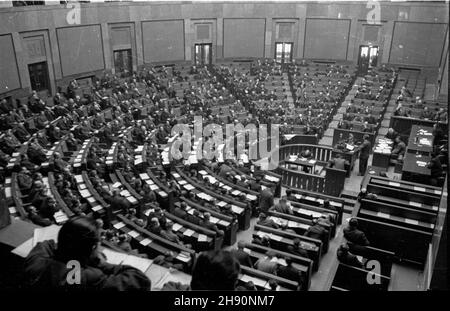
[78, 43]
[327, 38]
[418, 43]
[163, 41]
[243, 37]
[80, 49]
[8, 67]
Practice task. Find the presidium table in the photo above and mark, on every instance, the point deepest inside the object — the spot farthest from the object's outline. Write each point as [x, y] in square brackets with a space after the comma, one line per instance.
[418, 154]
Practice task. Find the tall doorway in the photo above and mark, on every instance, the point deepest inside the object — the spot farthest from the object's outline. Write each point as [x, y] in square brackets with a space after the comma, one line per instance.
[283, 52]
[39, 77]
[203, 55]
[368, 58]
[123, 61]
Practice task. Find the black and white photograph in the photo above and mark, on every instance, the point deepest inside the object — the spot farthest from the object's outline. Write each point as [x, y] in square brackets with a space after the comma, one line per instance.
[224, 153]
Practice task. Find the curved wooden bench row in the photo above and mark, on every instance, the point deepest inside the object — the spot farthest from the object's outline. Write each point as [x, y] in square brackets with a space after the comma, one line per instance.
[280, 240]
[153, 244]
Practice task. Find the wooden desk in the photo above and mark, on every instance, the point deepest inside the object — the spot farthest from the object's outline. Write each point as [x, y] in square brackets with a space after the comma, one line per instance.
[421, 139]
[414, 172]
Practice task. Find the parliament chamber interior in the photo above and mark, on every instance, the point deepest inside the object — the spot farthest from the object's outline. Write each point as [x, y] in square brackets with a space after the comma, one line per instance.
[248, 146]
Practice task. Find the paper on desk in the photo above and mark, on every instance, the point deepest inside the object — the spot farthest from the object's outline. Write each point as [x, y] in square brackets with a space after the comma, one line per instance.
[113, 257]
[176, 227]
[188, 232]
[202, 238]
[116, 185]
[153, 187]
[46, 233]
[24, 249]
[137, 262]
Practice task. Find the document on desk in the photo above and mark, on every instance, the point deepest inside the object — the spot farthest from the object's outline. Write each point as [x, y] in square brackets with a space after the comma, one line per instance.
[202, 238]
[176, 227]
[113, 257]
[153, 187]
[188, 187]
[237, 209]
[137, 262]
[251, 197]
[419, 189]
[276, 237]
[416, 204]
[188, 232]
[144, 176]
[116, 185]
[145, 242]
[46, 233]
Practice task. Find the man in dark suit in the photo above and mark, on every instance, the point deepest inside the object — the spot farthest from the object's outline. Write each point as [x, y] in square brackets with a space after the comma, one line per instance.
[265, 200]
[243, 258]
[209, 225]
[338, 162]
[297, 250]
[344, 256]
[316, 231]
[364, 152]
[289, 272]
[118, 202]
[354, 235]
[181, 211]
[264, 221]
[391, 134]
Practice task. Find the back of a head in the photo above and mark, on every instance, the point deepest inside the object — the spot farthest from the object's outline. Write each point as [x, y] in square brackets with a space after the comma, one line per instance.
[353, 223]
[215, 270]
[77, 239]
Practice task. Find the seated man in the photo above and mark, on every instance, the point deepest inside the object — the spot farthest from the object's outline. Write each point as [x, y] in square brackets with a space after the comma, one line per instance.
[297, 249]
[338, 162]
[353, 235]
[344, 256]
[181, 211]
[209, 225]
[239, 253]
[266, 264]
[391, 134]
[46, 265]
[264, 221]
[317, 231]
[426, 114]
[398, 152]
[281, 207]
[436, 169]
[290, 273]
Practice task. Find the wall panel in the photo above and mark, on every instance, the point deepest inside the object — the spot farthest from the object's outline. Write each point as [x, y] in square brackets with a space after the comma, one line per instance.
[326, 38]
[8, 66]
[163, 40]
[417, 43]
[80, 49]
[244, 37]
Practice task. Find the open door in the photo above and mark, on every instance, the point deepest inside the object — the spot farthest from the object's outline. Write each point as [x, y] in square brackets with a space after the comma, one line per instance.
[368, 58]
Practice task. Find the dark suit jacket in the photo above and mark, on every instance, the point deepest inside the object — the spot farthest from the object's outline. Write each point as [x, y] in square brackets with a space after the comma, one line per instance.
[298, 251]
[180, 213]
[289, 273]
[243, 258]
[265, 200]
[355, 236]
[44, 271]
